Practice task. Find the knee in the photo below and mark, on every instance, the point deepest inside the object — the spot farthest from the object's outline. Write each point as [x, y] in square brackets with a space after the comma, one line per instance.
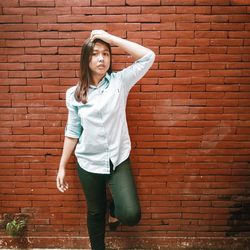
[96, 214]
[131, 217]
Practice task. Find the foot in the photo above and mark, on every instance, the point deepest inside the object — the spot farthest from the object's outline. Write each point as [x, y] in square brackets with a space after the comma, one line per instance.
[113, 221]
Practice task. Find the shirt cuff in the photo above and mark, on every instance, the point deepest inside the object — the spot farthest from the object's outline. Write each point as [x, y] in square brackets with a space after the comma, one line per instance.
[69, 132]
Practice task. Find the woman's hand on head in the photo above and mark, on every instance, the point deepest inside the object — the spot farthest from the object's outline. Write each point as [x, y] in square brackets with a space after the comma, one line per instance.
[61, 184]
[101, 34]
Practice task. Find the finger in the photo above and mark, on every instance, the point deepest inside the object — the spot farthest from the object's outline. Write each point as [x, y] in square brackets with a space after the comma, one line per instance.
[60, 189]
[64, 186]
[93, 33]
[60, 185]
[96, 36]
[57, 182]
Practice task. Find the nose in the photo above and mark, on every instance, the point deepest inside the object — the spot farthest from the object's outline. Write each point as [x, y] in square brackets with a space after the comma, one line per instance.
[100, 58]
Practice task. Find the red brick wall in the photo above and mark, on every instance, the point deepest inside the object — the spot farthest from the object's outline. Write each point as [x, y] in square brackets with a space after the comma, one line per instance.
[189, 118]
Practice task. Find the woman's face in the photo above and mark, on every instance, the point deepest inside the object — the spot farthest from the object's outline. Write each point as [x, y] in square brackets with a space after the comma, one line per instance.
[99, 60]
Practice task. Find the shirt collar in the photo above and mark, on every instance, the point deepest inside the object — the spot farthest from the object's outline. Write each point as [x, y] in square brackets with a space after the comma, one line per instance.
[104, 79]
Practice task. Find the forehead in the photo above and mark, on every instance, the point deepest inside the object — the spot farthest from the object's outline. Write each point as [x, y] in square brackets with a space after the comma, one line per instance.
[100, 46]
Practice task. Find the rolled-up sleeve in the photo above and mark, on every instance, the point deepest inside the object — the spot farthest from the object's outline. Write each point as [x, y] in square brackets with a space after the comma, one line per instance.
[73, 127]
[136, 71]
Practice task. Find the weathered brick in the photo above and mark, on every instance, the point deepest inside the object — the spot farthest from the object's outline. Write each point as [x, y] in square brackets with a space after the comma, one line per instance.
[188, 118]
[35, 3]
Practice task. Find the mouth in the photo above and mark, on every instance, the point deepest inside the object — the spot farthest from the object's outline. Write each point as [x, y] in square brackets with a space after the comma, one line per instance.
[101, 66]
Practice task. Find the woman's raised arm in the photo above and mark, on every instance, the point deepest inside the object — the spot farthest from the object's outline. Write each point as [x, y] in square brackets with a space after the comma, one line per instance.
[136, 50]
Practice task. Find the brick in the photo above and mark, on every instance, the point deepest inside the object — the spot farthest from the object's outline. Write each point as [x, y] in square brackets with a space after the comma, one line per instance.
[18, 27]
[165, 26]
[13, 81]
[212, 2]
[193, 9]
[107, 3]
[193, 58]
[4, 58]
[52, 26]
[7, 3]
[211, 34]
[192, 26]
[41, 66]
[24, 58]
[94, 10]
[57, 42]
[206, 65]
[177, 34]
[210, 50]
[176, 50]
[11, 66]
[239, 2]
[72, 3]
[194, 73]
[53, 11]
[146, 2]
[211, 18]
[225, 57]
[22, 43]
[90, 19]
[226, 73]
[39, 19]
[10, 19]
[34, 3]
[142, 34]
[14, 11]
[3, 74]
[239, 34]
[229, 10]
[58, 73]
[143, 18]
[227, 26]
[2, 43]
[238, 18]
[122, 26]
[21, 131]
[36, 35]
[88, 26]
[22, 89]
[41, 51]
[177, 2]
[11, 35]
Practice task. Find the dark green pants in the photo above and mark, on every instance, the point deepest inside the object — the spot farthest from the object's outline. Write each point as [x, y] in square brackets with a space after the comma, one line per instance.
[121, 185]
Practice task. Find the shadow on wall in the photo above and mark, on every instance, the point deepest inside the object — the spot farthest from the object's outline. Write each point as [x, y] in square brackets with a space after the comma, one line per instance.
[239, 220]
[239, 217]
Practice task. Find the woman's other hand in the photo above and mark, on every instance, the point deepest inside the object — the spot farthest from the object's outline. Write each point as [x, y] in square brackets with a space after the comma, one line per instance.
[61, 184]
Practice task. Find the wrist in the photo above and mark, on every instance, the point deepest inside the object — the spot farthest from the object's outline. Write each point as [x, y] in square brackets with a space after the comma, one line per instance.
[62, 165]
[112, 39]
[115, 40]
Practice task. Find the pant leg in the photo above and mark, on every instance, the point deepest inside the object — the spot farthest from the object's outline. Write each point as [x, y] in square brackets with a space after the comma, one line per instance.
[94, 187]
[122, 187]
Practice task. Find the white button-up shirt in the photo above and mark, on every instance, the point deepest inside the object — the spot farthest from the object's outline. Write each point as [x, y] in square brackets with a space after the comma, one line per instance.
[100, 124]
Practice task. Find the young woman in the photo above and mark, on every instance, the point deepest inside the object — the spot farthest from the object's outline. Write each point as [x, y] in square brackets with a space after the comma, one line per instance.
[97, 130]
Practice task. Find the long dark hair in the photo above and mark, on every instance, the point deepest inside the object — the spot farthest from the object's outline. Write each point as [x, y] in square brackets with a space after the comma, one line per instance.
[85, 72]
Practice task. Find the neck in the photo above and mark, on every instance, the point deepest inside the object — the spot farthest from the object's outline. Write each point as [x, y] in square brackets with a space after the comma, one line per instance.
[96, 79]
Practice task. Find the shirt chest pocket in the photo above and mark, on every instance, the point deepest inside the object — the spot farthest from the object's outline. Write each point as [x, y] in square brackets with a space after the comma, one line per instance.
[113, 100]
